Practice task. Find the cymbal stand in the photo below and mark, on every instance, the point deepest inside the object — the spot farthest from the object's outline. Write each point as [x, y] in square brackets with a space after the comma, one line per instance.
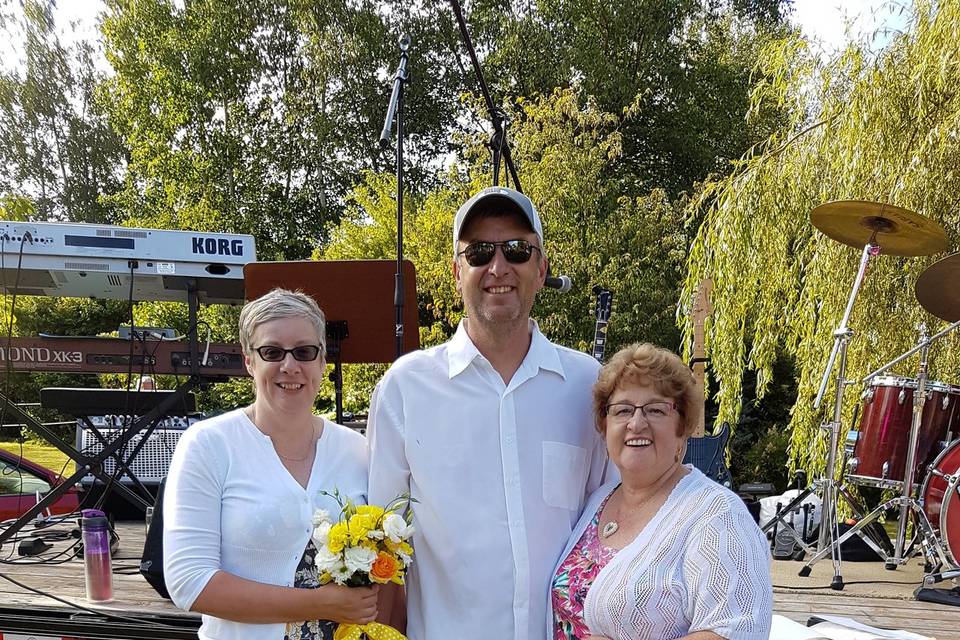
[905, 501]
[829, 526]
[827, 486]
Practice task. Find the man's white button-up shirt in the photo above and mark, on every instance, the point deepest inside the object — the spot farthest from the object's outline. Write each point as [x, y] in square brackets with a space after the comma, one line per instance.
[500, 473]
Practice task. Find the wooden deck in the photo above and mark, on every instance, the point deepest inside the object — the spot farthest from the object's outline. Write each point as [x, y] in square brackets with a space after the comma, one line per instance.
[133, 596]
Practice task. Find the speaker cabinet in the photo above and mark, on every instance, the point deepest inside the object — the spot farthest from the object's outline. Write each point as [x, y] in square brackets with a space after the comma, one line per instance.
[153, 460]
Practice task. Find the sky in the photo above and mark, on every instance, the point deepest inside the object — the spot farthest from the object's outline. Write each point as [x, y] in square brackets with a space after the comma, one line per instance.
[826, 22]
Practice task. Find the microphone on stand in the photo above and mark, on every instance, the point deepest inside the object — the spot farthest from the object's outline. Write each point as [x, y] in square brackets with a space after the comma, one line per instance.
[562, 284]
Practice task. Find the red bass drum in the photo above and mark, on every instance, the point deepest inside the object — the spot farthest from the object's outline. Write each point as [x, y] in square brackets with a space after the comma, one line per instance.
[940, 501]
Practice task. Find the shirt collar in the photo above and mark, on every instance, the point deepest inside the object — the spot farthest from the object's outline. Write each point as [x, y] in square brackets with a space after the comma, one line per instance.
[542, 354]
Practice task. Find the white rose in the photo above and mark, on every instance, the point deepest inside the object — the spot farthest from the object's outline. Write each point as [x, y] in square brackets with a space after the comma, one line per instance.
[327, 561]
[397, 528]
[359, 559]
[321, 535]
[320, 516]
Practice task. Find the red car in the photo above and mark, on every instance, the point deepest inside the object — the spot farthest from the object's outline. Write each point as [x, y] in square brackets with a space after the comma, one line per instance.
[21, 480]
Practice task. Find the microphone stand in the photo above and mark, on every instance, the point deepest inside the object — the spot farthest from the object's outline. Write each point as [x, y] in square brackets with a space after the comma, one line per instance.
[396, 107]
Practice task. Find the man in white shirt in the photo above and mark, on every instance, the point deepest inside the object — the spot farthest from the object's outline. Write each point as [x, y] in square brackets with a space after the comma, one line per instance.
[492, 433]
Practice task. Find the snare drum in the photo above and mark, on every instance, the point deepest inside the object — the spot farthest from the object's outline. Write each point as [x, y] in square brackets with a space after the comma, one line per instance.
[880, 452]
[940, 500]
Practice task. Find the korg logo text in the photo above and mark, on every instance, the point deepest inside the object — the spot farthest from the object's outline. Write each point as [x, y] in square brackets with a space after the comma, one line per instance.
[217, 247]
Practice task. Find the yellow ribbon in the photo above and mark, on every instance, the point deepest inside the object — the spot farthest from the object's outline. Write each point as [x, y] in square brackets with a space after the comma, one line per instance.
[373, 631]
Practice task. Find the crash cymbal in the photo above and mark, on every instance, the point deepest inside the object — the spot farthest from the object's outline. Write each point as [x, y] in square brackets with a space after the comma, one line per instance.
[896, 231]
[938, 288]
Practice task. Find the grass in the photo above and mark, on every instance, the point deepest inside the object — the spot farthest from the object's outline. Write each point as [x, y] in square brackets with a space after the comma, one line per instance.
[41, 453]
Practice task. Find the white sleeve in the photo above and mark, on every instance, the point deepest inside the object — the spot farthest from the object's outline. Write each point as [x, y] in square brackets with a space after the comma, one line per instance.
[602, 471]
[191, 518]
[726, 569]
[389, 471]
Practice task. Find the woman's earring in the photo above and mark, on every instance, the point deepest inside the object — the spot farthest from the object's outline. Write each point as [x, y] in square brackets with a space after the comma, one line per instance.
[676, 458]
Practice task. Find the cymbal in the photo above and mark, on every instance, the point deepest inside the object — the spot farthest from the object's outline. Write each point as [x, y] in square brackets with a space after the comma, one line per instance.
[938, 288]
[896, 231]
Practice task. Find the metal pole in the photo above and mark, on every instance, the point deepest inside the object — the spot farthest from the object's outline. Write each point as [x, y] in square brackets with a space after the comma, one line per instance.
[396, 107]
[868, 250]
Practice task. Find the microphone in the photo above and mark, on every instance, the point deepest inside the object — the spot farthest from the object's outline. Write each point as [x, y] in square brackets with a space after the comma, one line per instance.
[562, 284]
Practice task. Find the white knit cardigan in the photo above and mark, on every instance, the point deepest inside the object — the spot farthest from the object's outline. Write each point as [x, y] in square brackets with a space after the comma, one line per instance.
[701, 564]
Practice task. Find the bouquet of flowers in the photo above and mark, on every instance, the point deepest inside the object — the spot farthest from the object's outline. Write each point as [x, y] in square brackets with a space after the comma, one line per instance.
[364, 545]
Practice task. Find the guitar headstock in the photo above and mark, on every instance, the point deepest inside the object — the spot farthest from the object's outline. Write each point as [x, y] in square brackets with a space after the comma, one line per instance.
[604, 303]
[702, 306]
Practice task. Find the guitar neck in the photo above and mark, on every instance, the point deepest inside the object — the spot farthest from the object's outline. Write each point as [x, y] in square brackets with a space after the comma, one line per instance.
[600, 340]
[700, 310]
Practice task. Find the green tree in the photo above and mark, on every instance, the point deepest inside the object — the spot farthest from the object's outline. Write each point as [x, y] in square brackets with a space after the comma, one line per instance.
[879, 129]
[675, 73]
[56, 147]
[258, 117]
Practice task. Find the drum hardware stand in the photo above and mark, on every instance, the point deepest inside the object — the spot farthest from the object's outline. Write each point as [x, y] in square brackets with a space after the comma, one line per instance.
[829, 526]
[905, 500]
[949, 574]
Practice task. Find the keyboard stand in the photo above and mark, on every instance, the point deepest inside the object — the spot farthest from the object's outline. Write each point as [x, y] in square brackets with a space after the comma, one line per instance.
[94, 464]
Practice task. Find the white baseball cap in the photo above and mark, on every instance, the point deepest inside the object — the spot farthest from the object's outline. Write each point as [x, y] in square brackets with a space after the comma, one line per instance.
[512, 200]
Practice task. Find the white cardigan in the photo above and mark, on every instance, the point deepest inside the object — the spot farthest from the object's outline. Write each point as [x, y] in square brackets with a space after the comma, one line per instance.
[231, 505]
[701, 564]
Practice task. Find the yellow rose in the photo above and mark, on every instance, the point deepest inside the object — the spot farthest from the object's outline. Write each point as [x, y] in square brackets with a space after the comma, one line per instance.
[401, 547]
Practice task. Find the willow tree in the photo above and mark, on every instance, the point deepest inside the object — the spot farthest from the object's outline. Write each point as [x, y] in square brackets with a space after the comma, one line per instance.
[882, 128]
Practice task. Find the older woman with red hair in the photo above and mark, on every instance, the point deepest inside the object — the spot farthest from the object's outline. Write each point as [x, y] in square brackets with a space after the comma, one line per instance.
[665, 553]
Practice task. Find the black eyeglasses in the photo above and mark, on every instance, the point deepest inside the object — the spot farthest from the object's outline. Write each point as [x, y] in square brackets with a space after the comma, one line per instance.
[481, 253]
[306, 353]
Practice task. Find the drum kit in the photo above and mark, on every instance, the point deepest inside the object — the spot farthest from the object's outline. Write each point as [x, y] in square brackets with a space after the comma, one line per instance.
[908, 441]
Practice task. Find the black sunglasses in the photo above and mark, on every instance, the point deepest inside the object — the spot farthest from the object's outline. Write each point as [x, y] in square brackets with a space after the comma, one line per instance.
[481, 253]
[306, 353]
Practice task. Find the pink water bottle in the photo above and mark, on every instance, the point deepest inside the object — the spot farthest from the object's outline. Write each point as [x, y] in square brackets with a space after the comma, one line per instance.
[98, 573]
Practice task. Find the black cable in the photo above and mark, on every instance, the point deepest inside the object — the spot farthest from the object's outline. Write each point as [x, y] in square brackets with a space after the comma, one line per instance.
[125, 419]
[9, 340]
[97, 612]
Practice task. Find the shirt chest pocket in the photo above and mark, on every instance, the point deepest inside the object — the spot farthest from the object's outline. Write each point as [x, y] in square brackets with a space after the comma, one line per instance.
[564, 475]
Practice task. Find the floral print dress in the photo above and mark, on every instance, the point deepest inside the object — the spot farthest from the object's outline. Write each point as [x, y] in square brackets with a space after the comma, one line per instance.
[307, 577]
[574, 578]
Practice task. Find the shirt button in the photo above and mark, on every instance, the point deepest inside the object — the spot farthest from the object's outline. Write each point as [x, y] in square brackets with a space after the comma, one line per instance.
[509, 439]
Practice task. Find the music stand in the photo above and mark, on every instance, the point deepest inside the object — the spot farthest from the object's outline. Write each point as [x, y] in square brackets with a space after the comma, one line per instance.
[356, 296]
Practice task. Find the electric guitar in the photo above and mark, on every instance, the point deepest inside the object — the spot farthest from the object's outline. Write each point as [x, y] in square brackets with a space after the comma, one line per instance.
[603, 307]
[706, 453]
[699, 311]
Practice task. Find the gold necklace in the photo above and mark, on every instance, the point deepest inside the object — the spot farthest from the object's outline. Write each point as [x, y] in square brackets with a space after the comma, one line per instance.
[289, 458]
[613, 526]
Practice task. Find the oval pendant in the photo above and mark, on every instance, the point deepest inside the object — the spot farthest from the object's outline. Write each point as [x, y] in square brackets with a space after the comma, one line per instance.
[609, 529]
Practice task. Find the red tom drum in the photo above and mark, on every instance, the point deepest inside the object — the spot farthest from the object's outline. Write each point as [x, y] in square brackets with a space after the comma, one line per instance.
[940, 500]
[880, 452]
